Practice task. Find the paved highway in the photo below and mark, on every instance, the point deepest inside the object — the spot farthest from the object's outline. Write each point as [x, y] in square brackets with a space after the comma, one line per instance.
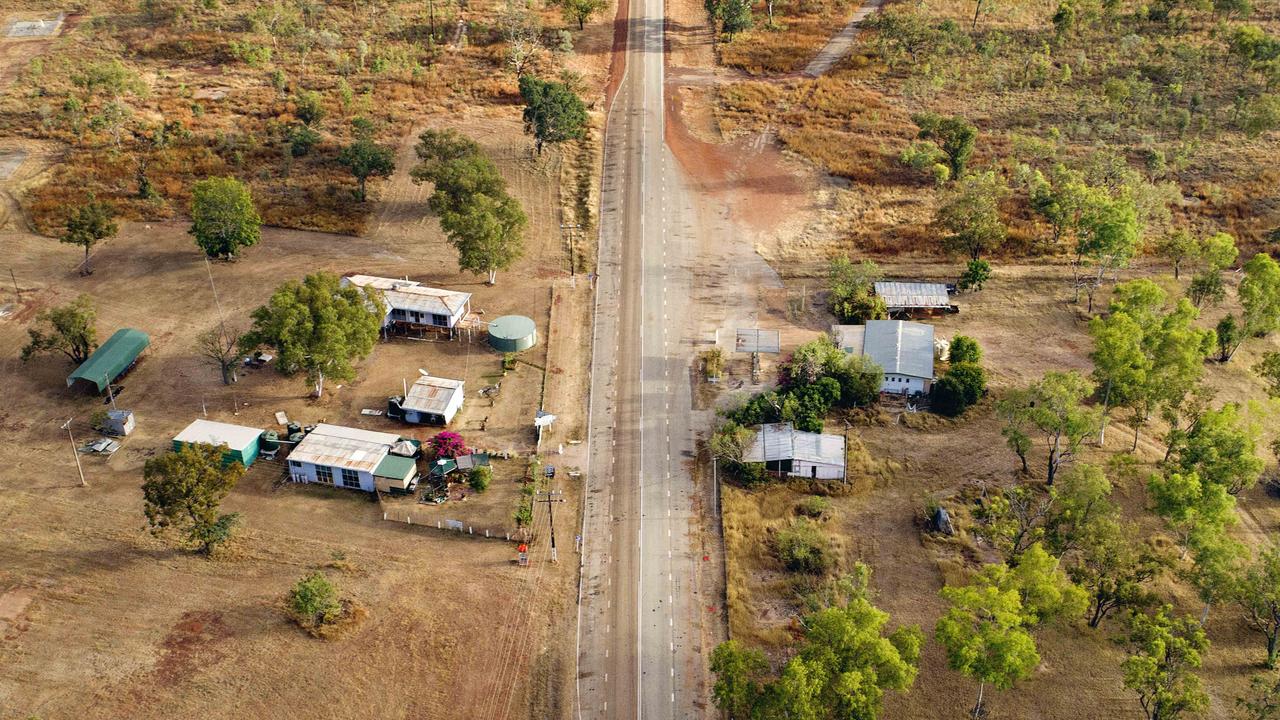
[639, 630]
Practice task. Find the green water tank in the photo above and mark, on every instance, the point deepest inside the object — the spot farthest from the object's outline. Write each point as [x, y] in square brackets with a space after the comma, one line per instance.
[512, 333]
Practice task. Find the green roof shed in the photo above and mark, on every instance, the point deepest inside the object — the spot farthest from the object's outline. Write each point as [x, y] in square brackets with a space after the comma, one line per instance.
[111, 359]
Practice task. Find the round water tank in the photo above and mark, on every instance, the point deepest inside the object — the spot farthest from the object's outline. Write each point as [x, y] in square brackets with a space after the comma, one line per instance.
[512, 333]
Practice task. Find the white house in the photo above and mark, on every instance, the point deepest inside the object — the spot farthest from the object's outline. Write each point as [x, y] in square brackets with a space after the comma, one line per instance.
[352, 458]
[430, 400]
[796, 453]
[903, 349]
[414, 305]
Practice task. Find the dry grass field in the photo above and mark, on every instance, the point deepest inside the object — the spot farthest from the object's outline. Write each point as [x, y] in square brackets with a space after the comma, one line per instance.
[100, 619]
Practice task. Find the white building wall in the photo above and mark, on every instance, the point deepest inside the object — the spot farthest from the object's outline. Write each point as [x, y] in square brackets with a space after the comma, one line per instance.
[816, 471]
[306, 472]
[898, 383]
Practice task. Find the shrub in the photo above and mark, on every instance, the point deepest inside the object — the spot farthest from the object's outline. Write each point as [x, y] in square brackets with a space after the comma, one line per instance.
[480, 478]
[447, 444]
[313, 601]
[813, 506]
[976, 274]
[964, 349]
[961, 387]
[803, 547]
[301, 139]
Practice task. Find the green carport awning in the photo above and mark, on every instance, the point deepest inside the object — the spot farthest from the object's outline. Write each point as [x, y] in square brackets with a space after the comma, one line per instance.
[111, 358]
[395, 467]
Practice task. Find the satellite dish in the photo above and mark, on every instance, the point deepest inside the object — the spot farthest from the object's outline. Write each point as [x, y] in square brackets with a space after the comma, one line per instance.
[423, 373]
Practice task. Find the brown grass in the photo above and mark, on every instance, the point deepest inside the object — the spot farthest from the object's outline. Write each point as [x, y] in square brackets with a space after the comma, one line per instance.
[801, 28]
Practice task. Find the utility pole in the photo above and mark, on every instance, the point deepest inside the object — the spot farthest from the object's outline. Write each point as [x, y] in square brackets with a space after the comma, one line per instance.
[74, 452]
[552, 496]
[110, 393]
[14, 278]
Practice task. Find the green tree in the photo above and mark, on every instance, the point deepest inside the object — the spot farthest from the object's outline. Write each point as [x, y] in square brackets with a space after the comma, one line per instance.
[1120, 363]
[69, 329]
[1260, 295]
[985, 635]
[976, 274]
[804, 547]
[1220, 448]
[1197, 512]
[955, 135]
[1207, 289]
[1115, 571]
[365, 158]
[1082, 508]
[1178, 247]
[1264, 700]
[437, 147]
[313, 601]
[223, 218]
[1268, 368]
[1060, 200]
[964, 349]
[488, 233]
[580, 10]
[553, 112]
[1107, 235]
[959, 388]
[851, 295]
[87, 225]
[182, 490]
[1229, 333]
[734, 15]
[1165, 652]
[318, 327]
[740, 678]
[970, 214]
[1054, 407]
[843, 668]
[1218, 251]
[309, 107]
[1257, 591]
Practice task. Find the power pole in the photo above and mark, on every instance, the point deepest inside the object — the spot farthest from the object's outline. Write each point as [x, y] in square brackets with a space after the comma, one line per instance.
[551, 496]
[74, 452]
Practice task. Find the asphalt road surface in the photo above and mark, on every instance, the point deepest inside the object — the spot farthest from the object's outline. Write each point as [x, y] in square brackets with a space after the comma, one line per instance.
[639, 651]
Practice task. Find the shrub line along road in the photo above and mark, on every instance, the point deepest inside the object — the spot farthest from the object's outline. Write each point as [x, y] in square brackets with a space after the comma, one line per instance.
[638, 624]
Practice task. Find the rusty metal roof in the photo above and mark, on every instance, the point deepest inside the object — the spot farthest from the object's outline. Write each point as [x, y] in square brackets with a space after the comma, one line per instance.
[344, 447]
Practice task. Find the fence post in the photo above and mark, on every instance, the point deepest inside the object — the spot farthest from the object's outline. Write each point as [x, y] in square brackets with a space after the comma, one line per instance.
[486, 532]
[437, 524]
[408, 519]
[469, 531]
[384, 514]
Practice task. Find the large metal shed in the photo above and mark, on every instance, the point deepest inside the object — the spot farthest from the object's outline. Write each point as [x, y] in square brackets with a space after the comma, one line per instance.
[512, 333]
[111, 359]
[241, 443]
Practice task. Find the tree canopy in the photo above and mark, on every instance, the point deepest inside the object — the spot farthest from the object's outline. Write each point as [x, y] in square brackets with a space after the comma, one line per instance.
[87, 225]
[69, 329]
[365, 159]
[183, 489]
[318, 327]
[223, 218]
[553, 112]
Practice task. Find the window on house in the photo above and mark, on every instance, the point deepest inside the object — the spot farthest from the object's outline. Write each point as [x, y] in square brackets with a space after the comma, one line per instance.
[438, 319]
[295, 464]
[324, 474]
[350, 478]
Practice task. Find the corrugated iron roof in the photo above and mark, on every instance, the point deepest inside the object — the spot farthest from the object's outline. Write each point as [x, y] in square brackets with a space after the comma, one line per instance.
[902, 295]
[344, 447]
[431, 394]
[413, 295]
[900, 347]
[781, 441]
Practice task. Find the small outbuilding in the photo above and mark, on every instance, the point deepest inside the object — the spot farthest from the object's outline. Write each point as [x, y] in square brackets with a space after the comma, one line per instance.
[512, 333]
[112, 359]
[915, 297]
[430, 400]
[352, 458]
[786, 451]
[241, 444]
[903, 349]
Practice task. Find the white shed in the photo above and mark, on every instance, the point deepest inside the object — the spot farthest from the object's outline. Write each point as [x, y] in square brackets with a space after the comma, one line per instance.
[431, 400]
[351, 458]
[785, 450]
[903, 349]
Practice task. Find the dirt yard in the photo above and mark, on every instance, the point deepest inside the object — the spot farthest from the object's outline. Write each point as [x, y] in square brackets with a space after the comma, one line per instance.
[95, 613]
